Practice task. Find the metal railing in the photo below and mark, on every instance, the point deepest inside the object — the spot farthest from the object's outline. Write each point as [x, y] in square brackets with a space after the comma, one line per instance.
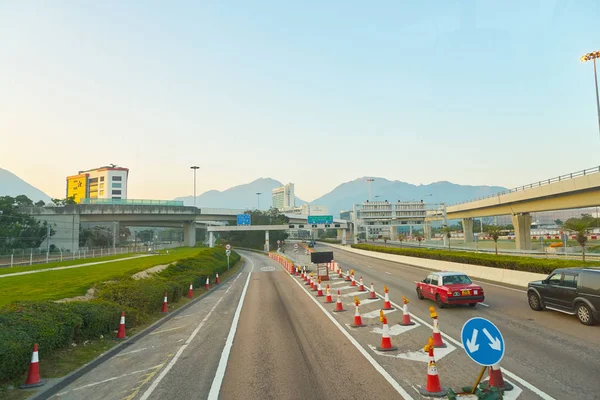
[133, 202]
[545, 182]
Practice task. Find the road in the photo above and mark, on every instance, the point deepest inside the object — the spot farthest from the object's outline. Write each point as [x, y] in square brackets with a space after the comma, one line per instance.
[548, 354]
[258, 336]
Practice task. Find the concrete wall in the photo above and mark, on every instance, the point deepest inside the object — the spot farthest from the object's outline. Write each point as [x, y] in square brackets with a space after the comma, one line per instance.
[516, 278]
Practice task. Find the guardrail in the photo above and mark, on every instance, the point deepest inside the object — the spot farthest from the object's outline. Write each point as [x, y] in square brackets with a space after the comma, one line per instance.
[132, 202]
[545, 182]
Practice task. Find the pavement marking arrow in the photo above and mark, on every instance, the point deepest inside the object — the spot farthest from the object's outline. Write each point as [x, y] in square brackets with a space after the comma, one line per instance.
[471, 344]
[495, 342]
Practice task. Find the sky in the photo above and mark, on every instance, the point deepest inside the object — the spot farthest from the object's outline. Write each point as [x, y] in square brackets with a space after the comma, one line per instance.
[316, 93]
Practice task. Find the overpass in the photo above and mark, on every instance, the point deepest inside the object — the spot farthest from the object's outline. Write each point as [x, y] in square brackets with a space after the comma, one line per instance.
[576, 190]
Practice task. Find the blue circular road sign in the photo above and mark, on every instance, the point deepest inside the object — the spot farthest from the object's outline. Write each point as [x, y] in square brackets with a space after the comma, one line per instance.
[483, 341]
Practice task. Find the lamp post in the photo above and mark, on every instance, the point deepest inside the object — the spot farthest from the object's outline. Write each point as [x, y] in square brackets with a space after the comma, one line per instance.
[195, 167]
[593, 56]
[369, 180]
[258, 200]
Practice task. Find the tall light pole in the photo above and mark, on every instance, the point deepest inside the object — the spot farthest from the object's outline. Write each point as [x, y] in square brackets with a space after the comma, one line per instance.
[593, 56]
[195, 167]
[369, 180]
[258, 200]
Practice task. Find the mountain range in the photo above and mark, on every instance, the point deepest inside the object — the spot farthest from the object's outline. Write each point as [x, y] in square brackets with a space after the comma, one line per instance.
[12, 185]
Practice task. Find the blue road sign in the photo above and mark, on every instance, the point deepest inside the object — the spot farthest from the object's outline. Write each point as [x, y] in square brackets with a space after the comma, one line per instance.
[483, 342]
[243, 219]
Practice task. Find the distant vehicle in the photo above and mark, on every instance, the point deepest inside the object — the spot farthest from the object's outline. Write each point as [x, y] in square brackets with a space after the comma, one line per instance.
[574, 291]
[450, 288]
[311, 243]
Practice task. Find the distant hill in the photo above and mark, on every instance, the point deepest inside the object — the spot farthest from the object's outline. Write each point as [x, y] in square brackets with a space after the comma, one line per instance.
[12, 185]
[242, 196]
[357, 191]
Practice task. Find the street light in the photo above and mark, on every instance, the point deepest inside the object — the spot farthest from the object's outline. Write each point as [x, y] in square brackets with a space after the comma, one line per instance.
[195, 167]
[258, 200]
[593, 56]
[369, 180]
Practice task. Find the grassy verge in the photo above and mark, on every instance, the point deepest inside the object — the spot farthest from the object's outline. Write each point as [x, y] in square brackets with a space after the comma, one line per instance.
[55, 285]
[72, 334]
[528, 264]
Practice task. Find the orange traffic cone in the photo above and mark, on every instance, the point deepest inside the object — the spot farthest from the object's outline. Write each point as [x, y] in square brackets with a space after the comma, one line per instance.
[33, 377]
[340, 273]
[121, 331]
[312, 283]
[433, 387]
[437, 337]
[165, 307]
[361, 287]
[338, 305]
[328, 298]
[386, 343]
[319, 290]
[405, 315]
[497, 380]
[348, 276]
[353, 283]
[372, 295]
[357, 318]
[207, 285]
[190, 291]
[217, 280]
[386, 302]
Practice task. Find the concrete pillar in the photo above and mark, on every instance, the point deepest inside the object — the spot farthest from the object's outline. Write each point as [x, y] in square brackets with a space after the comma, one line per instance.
[340, 234]
[211, 239]
[410, 230]
[427, 232]
[267, 248]
[522, 224]
[467, 224]
[189, 234]
[344, 236]
[394, 232]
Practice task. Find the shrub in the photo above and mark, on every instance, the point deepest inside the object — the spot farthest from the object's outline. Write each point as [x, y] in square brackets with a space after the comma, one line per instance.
[528, 264]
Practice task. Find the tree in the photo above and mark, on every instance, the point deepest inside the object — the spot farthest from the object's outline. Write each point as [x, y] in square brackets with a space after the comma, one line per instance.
[40, 203]
[419, 238]
[494, 233]
[64, 202]
[401, 238]
[23, 201]
[558, 222]
[447, 232]
[17, 230]
[256, 239]
[580, 226]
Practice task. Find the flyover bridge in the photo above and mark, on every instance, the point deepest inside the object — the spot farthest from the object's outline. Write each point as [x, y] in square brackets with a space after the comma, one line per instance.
[575, 190]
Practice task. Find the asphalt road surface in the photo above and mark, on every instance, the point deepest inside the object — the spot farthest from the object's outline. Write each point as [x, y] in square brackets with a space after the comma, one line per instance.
[548, 354]
[258, 336]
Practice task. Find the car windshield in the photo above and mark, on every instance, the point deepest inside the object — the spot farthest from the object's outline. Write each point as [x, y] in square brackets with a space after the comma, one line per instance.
[456, 280]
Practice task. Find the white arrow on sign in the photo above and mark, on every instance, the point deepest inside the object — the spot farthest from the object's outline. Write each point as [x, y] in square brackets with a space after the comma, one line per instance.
[471, 344]
[495, 342]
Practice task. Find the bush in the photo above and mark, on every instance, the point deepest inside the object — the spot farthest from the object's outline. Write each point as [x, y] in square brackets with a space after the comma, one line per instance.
[528, 264]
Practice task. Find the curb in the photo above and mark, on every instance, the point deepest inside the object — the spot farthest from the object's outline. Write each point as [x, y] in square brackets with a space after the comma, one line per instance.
[79, 372]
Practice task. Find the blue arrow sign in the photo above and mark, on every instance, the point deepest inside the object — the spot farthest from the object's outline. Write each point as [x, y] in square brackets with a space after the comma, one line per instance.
[243, 219]
[483, 342]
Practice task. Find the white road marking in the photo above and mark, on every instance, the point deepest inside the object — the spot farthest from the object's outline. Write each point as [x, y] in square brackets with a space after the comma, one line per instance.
[375, 313]
[363, 302]
[361, 349]
[167, 330]
[339, 283]
[397, 329]
[215, 388]
[354, 294]
[483, 304]
[165, 371]
[131, 352]
[109, 379]
[420, 355]
[389, 273]
[511, 394]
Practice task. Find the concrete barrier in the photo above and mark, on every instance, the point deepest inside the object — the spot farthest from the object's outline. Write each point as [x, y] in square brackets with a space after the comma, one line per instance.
[508, 276]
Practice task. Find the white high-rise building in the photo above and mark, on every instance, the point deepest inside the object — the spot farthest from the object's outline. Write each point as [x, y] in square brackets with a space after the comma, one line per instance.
[284, 198]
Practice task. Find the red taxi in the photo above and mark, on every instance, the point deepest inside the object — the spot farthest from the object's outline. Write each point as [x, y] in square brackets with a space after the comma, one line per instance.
[450, 288]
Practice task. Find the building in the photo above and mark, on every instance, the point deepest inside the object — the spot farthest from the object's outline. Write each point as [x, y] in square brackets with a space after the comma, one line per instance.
[386, 219]
[284, 198]
[109, 182]
[309, 209]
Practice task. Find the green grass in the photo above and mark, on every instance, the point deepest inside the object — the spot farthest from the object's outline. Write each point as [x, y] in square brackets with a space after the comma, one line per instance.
[55, 285]
[64, 263]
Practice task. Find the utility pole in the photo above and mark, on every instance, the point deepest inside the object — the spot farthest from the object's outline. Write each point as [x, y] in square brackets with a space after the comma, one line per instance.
[195, 167]
[115, 237]
[47, 241]
[369, 180]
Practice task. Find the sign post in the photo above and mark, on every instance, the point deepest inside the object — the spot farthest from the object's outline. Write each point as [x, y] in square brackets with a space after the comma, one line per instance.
[228, 253]
[483, 344]
[296, 248]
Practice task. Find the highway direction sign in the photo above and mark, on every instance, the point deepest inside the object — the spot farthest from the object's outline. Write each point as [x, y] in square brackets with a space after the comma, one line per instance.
[320, 219]
[243, 219]
[228, 247]
[483, 341]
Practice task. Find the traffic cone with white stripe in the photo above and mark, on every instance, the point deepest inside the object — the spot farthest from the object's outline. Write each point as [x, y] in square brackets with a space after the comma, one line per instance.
[190, 291]
[312, 283]
[306, 279]
[33, 376]
[386, 302]
[121, 331]
[372, 295]
[328, 298]
[496, 379]
[405, 315]
[437, 337]
[165, 307]
[433, 387]
[353, 283]
[347, 276]
[319, 290]
[386, 342]
[207, 285]
[357, 318]
[361, 287]
[217, 280]
[340, 272]
[338, 305]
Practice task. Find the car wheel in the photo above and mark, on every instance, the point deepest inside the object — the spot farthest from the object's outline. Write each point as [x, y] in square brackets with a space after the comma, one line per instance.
[534, 302]
[439, 302]
[472, 304]
[584, 314]
[419, 294]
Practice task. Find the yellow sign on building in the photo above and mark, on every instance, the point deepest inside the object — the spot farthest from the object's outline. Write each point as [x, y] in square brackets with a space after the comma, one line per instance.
[77, 187]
